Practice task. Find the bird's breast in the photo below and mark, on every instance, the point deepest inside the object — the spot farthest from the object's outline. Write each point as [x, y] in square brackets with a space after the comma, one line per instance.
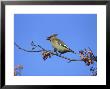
[59, 47]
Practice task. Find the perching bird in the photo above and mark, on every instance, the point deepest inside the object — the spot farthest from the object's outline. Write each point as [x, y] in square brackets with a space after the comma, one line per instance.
[58, 45]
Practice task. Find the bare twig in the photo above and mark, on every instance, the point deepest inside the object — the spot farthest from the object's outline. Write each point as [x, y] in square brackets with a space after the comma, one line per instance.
[48, 53]
[25, 49]
[53, 53]
[70, 59]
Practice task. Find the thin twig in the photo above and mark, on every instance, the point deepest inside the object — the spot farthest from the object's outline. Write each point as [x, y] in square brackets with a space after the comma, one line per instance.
[70, 59]
[25, 49]
[41, 48]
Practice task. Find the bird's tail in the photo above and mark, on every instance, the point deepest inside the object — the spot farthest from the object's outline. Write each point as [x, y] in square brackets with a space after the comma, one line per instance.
[72, 51]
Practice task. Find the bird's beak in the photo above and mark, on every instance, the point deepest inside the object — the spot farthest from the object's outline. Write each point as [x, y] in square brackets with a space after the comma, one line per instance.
[48, 38]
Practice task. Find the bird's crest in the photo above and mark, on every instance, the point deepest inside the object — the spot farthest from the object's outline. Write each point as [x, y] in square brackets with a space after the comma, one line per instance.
[53, 35]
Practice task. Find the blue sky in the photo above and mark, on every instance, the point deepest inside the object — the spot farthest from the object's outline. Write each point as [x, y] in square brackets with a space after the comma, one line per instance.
[78, 31]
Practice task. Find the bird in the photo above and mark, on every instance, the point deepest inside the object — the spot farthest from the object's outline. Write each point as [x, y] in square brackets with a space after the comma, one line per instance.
[58, 45]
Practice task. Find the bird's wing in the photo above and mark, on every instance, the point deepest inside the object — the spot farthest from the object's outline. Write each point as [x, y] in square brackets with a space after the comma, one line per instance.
[62, 43]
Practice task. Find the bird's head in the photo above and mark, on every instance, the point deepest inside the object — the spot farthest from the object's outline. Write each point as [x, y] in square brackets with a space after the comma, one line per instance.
[53, 35]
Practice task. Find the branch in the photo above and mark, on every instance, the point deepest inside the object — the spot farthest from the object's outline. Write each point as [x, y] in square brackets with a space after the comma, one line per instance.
[25, 49]
[44, 51]
[70, 59]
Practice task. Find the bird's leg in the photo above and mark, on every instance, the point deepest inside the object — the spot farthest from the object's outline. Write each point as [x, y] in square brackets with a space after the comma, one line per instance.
[55, 50]
[60, 54]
